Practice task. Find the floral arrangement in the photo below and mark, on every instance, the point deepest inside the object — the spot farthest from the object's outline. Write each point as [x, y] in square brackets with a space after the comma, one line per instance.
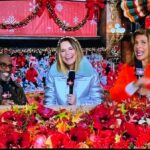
[107, 125]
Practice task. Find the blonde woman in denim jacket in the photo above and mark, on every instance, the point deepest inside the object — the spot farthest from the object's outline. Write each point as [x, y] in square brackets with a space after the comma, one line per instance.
[86, 89]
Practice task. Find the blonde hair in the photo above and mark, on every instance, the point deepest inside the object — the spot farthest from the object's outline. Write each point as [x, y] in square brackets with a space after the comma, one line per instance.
[141, 31]
[61, 66]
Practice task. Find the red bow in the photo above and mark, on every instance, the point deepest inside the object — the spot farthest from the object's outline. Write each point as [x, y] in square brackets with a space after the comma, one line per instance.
[94, 7]
[43, 5]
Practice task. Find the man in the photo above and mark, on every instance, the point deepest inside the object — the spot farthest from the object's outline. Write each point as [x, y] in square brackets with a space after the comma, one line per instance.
[10, 91]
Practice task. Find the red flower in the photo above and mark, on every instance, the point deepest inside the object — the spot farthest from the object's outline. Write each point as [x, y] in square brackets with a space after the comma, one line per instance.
[60, 140]
[104, 139]
[102, 117]
[6, 116]
[15, 140]
[11, 117]
[131, 129]
[122, 144]
[45, 112]
[79, 134]
[24, 140]
[143, 137]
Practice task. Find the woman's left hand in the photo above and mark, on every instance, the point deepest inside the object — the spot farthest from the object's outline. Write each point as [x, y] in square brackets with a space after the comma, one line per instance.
[144, 91]
[71, 99]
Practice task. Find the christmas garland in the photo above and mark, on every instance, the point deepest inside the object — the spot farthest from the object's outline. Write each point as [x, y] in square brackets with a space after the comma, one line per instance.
[63, 25]
[22, 23]
[50, 4]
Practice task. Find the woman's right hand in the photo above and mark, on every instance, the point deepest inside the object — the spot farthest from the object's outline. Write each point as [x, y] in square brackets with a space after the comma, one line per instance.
[141, 82]
[71, 99]
[144, 91]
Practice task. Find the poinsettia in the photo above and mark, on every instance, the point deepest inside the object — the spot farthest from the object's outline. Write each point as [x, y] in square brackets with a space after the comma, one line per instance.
[61, 140]
[79, 134]
[103, 139]
[103, 117]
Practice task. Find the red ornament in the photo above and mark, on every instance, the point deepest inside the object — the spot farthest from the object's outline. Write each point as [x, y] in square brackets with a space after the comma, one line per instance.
[94, 7]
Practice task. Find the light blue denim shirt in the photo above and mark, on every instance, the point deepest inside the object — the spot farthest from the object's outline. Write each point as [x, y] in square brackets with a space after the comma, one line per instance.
[87, 87]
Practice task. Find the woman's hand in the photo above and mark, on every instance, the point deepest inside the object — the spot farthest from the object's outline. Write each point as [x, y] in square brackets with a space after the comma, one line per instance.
[141, 82]
[71, 99]
[144, 91]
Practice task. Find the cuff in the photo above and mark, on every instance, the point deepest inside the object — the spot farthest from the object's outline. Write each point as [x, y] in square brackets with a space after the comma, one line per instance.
[131, 88]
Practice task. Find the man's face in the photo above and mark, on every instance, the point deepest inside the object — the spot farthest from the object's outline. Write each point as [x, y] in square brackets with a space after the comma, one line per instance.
[5, 68]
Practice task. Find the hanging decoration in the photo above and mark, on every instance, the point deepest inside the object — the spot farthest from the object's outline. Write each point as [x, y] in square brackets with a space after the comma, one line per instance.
[134, 10]
[43, 4]
[94, 7]
[61, 24]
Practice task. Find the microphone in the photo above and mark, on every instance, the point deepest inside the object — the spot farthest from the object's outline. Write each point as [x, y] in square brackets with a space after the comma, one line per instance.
[139, 71]
[70, 80]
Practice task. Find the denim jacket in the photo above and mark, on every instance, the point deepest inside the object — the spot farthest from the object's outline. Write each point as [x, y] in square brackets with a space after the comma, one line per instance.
[87, 87]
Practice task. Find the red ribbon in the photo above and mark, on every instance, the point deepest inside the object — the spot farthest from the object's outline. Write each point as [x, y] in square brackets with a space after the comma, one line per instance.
[44, 3]
[94, 7]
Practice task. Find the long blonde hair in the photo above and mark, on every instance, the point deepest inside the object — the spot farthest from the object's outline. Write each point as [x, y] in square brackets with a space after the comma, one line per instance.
[141, 31]
[61, 66]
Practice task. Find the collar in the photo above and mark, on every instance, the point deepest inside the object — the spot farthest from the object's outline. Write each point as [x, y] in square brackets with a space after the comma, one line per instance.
[85, 69]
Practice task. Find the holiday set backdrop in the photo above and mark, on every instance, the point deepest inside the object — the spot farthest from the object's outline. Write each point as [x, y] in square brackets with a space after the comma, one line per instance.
[47, 18]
